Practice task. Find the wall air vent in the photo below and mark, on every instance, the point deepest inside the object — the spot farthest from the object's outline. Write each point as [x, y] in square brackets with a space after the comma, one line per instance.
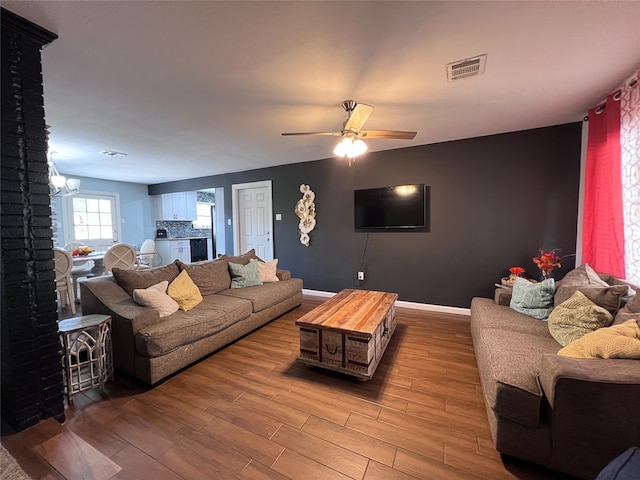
[469, 67]
[111, 153]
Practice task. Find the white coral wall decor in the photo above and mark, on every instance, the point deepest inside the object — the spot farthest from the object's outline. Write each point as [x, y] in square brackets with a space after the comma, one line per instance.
[306, 212]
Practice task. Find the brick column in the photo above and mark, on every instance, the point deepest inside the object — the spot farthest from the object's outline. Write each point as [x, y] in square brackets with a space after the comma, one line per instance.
[31, 374]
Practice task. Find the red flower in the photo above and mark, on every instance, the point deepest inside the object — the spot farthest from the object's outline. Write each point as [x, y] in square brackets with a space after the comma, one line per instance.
[517, 271]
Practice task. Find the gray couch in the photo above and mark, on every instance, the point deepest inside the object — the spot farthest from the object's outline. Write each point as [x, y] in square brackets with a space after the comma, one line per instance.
[150, 347]
[568, 414]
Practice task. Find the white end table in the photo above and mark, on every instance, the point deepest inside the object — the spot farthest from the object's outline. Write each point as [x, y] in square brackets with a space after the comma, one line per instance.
[87, 357]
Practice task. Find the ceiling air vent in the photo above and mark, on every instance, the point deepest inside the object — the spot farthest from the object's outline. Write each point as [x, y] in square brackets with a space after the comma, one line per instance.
[111, 153]
[469, 67]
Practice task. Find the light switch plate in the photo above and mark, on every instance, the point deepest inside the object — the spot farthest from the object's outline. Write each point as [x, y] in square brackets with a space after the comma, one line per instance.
[278, 216]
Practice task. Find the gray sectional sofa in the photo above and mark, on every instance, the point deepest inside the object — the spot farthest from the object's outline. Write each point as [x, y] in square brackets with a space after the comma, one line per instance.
[569, 414]
[151, 347]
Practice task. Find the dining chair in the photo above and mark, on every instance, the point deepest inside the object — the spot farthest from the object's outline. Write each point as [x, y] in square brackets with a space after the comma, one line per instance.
[80, 269]
[146, 261]
[64, 286]
[120, 255]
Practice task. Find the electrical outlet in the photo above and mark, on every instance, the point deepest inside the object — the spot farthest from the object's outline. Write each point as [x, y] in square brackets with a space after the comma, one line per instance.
[360, 275]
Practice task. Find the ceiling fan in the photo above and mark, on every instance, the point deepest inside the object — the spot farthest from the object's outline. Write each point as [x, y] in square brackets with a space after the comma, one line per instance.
[352, 134]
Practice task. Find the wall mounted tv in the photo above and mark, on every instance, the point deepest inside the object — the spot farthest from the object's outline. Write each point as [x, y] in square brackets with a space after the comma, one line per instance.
[397, 208]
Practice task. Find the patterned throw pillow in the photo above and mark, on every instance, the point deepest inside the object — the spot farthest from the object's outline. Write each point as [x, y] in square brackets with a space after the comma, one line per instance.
[576, 317]
[619, 341]
[244, 275]
[533, 299]
[184, 291]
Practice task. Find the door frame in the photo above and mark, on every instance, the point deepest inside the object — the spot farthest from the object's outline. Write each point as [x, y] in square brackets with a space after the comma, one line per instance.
[236, 189]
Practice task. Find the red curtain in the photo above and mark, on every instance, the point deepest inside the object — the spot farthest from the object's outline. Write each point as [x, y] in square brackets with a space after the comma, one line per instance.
[603, 224]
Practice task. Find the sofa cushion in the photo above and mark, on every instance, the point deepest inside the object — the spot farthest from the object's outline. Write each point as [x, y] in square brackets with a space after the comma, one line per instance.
[488, 314]
[509, 365]
[576, 317]
[618, 341]
[243, 276]
[184, 291]
[583, 275]
[129, 280]
[241, 259]
[210, 276]
[533, 299]
[213, 314]
[630, 311]
[267, 271]
[156, 297]
[609, 298]
[267, 294]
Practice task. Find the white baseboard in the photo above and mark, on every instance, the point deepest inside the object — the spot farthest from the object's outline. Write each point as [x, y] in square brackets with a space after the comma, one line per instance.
[401, 303]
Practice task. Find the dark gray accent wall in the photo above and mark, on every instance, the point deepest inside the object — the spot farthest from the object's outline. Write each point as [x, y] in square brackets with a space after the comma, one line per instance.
[494, 201]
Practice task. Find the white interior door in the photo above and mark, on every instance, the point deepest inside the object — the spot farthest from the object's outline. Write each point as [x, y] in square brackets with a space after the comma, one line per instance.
[252, 213]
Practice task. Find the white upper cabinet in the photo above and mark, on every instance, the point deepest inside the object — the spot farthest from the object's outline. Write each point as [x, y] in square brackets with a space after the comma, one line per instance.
[176, 206]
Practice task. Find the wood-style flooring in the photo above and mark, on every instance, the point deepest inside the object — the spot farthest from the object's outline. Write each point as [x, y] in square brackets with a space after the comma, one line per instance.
[252, 411]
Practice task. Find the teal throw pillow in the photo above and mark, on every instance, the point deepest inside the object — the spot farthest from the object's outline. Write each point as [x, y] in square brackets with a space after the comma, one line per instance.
[533, 299]
[244, 275]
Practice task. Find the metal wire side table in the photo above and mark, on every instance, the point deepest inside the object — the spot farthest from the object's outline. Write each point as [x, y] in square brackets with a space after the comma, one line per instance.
[87, 358]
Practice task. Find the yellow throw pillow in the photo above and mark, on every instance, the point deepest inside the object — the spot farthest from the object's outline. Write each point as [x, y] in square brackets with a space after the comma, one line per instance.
[619, 341]
[184, 291]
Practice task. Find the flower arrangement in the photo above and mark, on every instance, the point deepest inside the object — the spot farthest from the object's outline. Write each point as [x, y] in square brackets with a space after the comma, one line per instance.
[546, 262]
[516, 271]
[306, 211]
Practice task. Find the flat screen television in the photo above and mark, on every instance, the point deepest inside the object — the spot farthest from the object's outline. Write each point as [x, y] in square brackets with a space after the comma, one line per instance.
[397, 208]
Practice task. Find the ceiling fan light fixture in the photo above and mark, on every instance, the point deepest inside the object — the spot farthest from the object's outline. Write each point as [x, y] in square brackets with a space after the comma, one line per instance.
[358, 148]
[350, 147]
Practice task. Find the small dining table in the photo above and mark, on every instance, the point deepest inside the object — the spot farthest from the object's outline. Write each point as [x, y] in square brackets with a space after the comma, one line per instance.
[96, 257]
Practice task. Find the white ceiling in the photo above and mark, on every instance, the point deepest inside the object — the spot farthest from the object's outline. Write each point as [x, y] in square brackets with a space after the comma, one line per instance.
[196, 88]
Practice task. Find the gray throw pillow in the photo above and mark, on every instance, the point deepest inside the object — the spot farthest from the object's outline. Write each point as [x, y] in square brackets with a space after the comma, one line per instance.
[244, 275]
[211, 276]
[131, 280]
[606, 297]
[533, 299]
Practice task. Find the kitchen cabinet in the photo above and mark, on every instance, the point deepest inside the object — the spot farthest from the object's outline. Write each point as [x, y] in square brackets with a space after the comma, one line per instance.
[176, 206]
[169, 250]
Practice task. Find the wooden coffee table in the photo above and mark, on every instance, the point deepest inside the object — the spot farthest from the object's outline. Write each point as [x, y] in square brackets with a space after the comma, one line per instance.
[349, 332]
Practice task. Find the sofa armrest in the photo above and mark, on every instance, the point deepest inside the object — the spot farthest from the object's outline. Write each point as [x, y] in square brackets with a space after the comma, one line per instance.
[283, 274]
[556, 369]
[503, 296]
[104, 295]
[593, 407]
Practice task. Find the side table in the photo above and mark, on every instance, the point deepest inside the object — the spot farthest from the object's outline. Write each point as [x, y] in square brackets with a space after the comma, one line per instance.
[87, 357]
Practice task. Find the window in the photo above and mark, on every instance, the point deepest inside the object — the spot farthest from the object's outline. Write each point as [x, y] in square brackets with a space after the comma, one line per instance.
[203, 215]
[91, 219]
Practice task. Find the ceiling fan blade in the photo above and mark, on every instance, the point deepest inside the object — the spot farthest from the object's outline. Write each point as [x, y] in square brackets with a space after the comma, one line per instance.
[332, 134]
[358, 116]
[388, 134]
